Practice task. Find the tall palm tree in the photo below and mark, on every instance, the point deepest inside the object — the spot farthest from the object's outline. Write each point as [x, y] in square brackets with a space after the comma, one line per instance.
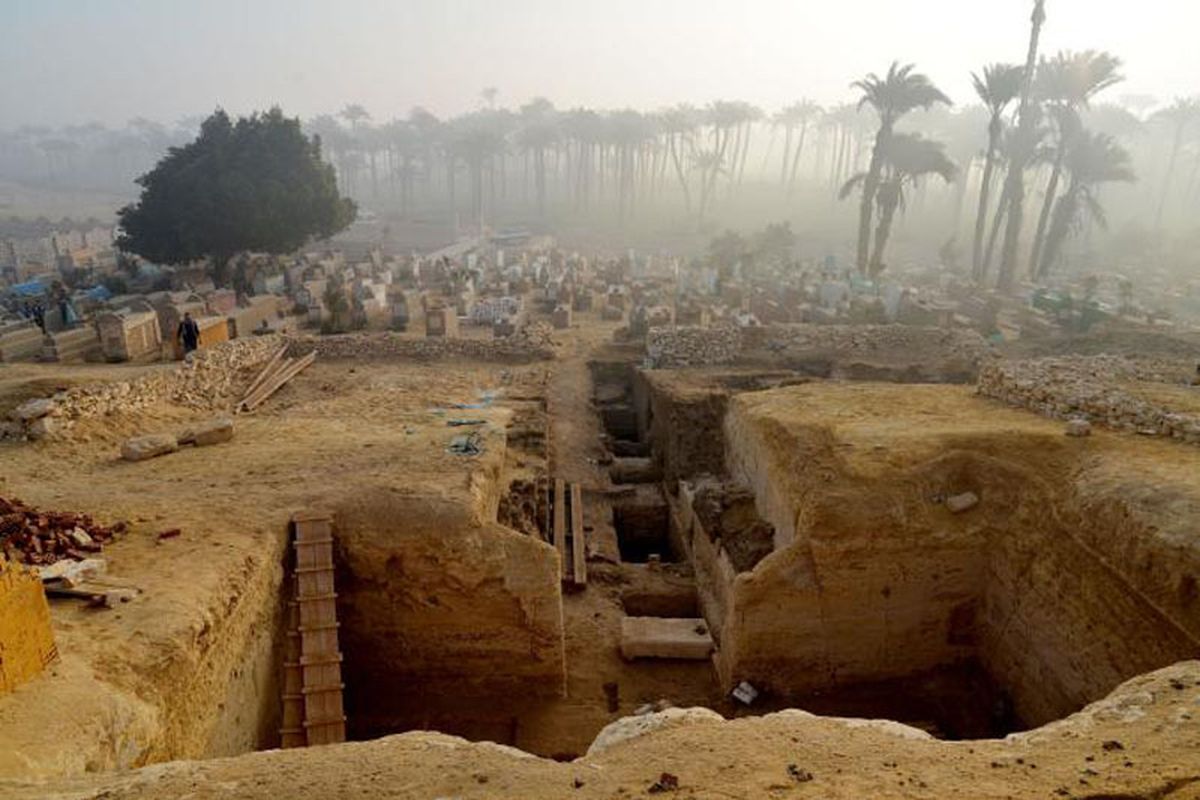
[997, 87]
[679, 125]
[1092, 159]
[907, 159]
[797, 115]
[1067, 83]
[1023, 144]
[900, 91]
[1179, 116]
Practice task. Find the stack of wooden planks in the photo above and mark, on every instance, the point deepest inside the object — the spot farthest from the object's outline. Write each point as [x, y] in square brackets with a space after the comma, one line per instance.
[568, 535]
[278, 371]
[312, 680]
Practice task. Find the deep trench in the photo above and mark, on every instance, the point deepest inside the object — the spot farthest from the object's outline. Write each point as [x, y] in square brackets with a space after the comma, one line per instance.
[960, 699]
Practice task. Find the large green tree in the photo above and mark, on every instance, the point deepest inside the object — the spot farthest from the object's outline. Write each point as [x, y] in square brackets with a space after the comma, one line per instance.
[254, 184]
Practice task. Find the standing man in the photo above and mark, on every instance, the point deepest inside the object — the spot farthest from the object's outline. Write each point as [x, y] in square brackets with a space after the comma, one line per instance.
[188, 333]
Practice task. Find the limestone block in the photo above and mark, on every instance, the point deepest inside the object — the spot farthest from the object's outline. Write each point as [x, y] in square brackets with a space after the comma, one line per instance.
[34, 409]
[140, 448]
[659, 637]
[213, 431]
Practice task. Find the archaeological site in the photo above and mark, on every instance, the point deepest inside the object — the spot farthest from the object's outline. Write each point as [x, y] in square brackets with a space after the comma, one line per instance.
[527, 400]
[604, 559]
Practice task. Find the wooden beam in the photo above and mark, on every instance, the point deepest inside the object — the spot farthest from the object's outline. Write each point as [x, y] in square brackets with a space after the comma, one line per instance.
[578, 536]
[264, 372]
[560, 524]
[276, 384]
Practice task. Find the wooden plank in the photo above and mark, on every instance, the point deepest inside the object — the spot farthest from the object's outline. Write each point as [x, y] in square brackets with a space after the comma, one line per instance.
[264, 372]
[275, 373]
[578, 537]
[276, 384]
[560, 523]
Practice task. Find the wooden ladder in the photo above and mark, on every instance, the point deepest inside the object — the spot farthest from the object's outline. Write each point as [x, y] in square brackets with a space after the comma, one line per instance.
[312, 669]
[568, 535]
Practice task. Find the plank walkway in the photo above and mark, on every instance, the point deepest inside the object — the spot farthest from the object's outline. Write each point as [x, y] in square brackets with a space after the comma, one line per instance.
[567, 534]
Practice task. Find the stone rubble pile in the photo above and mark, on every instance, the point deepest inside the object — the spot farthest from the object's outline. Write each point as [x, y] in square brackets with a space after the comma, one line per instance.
[1089, 388]
[208, 379]
[691, 346]
[530, 343]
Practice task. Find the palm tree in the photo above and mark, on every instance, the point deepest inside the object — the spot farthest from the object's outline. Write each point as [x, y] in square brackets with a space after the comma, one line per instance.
[907, 159]
[539, 132]
[997, 87]
[1020, 152]
[1179, 116]
[679, 125]
[900, 91]
[1092, 159]
[1067, 83]
[797, 115]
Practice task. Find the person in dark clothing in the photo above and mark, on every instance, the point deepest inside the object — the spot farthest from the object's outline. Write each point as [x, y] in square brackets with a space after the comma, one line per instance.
[189, 333]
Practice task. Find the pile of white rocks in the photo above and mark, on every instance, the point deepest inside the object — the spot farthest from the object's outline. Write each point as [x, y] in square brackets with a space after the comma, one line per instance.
[208, 379]
[1091, 388]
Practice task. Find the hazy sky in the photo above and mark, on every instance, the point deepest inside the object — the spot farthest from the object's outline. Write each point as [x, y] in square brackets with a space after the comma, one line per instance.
[109, 60]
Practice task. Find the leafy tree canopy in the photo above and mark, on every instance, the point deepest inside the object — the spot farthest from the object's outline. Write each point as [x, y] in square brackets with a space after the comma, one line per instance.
[255, 184]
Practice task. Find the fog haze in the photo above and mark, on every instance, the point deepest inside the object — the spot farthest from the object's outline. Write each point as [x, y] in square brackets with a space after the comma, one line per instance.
[67, 61]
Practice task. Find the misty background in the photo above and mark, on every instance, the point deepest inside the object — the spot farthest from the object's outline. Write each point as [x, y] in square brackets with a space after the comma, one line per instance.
[595, 120]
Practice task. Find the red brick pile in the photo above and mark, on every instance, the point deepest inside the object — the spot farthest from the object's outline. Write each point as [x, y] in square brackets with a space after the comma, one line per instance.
[30, 536]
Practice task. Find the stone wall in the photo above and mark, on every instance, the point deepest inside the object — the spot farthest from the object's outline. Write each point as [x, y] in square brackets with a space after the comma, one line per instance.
[928, 352]
[531, 343]
[1094, 388]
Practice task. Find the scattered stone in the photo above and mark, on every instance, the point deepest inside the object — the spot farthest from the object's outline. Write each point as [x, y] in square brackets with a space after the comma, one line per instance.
[959, 503]
[1111, 745]
[213, 431]
[169, 534]
[140, 448]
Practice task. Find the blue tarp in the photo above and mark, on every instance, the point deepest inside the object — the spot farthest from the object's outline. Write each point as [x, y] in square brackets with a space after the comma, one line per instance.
[28, 289]
[98, 293]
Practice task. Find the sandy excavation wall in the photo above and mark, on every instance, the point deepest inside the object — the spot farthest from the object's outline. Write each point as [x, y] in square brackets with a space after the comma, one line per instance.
[437, 602]
[1061, 586]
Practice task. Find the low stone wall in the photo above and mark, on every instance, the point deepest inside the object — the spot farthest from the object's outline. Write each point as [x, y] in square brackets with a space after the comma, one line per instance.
[1089, 387]
[693, 347]
[697, 347]
[532, 343]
